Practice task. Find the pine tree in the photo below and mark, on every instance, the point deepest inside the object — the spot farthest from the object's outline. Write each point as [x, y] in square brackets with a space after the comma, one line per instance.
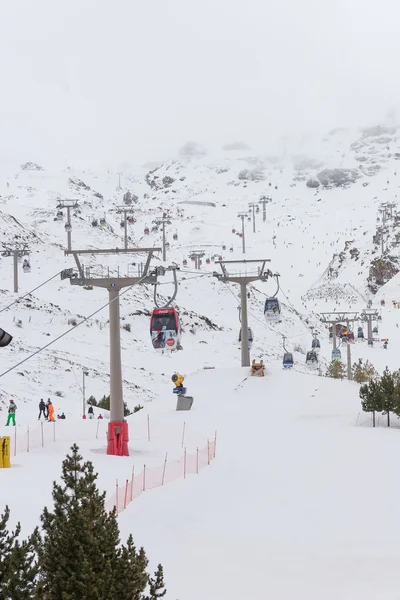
[396, 394]
[387, 389]
[336, 370]
[24, 570]
[78, 548]
[132, 577]
[7, 542]
[156, 585]
[371, 398]
[18, 563]
[79, 551]
[363, 372]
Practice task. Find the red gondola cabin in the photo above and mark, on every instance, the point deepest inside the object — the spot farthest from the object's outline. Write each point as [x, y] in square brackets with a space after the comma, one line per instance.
[165, 329]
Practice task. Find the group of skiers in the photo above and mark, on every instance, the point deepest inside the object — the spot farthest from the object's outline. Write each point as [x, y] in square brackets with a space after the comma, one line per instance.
[47, 410]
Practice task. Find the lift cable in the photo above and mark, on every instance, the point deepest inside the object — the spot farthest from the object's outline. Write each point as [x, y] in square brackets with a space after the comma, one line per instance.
[28, 293]
[84, 320]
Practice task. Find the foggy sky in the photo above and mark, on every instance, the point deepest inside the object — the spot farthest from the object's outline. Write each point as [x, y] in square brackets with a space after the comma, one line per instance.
[132, 80]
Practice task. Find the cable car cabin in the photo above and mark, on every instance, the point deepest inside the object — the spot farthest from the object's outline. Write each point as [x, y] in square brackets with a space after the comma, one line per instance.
[26, 267]
[122, 223]
[233, 230]
[250, 336]
[60, 215]
[375, 330]
[68, 227]
[347, 336]
[231, 249]
[103, 222]
[208, 261]
[175, 236]
[272, 309]
[146, 231]
[95, 223]
[184, 262]
[338, 330]
[5, 338]
[287, 360]
[224, 247]
[316, 344]
[360, 333]
[336, 354]
[312, 359]
[165, 330]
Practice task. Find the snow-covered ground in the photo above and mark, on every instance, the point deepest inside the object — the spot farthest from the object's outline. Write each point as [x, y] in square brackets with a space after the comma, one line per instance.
[299, 500]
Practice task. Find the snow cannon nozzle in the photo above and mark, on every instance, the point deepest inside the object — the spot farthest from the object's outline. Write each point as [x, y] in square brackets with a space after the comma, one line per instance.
[177, 379]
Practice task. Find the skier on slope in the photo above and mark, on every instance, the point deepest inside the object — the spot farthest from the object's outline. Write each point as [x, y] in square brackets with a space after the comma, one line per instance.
[50, 411]
[42, 409]
[11, 413]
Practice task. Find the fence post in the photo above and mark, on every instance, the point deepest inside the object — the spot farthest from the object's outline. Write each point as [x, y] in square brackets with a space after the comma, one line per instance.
[144, 478]
[148, 428]
[215, 443]
[41, 426]
[54, 431]
[27, 439]
[126, 494]
[116, 496]
[197, 460]
[183, 432]
[133, 479]
[165, 466]
[208, 451]
[184, 464]
[97, 429]
[15, 441]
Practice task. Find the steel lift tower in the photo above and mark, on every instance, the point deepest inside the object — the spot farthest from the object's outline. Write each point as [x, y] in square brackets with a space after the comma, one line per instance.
[244, 278]
[117, 428]
[18, 252]
[333, 318]
[68, 204]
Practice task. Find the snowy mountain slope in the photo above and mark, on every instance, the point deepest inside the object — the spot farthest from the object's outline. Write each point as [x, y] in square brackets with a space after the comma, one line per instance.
[304, 229]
